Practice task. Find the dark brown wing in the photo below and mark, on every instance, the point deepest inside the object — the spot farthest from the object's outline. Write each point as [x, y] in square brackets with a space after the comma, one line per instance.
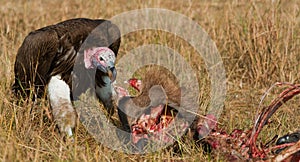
[34, 60]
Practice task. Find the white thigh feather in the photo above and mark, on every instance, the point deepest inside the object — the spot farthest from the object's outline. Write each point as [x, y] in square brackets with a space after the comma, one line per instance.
[63, 111]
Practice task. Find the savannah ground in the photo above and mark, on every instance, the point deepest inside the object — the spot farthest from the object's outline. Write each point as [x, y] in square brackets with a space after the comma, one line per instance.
[259, 42]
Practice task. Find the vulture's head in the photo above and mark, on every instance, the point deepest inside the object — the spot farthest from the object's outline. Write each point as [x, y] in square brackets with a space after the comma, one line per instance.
[103, 59]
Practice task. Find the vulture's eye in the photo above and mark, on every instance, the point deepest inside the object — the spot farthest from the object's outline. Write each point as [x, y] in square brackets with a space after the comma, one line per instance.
[101, 59]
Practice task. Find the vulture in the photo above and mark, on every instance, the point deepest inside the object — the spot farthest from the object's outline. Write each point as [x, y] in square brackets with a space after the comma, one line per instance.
[65, 60]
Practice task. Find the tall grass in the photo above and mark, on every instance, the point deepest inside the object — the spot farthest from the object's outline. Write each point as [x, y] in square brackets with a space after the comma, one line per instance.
[259, 42]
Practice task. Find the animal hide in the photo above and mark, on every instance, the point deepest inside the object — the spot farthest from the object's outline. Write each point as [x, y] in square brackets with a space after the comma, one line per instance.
[153, 76]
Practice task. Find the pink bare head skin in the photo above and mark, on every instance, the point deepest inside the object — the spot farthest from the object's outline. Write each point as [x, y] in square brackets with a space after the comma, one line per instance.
[95, 54]
[135, 83]
[101, 58]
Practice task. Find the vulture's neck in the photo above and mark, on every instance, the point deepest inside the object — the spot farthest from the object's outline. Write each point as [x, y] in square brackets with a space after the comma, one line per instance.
[104, 92]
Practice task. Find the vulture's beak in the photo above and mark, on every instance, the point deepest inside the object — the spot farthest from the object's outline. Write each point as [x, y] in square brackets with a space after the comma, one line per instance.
[108, 68]
[112, 73]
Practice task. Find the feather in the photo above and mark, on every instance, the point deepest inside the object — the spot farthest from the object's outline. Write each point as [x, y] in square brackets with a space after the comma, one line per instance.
[53, 51]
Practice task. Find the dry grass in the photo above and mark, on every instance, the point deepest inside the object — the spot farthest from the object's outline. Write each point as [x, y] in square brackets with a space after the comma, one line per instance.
[259, 43]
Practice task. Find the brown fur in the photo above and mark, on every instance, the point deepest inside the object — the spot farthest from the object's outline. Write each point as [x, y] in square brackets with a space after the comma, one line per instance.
[155, 75]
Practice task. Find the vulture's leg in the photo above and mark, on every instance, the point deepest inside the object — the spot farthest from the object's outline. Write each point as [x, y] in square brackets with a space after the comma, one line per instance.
[62, 109]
